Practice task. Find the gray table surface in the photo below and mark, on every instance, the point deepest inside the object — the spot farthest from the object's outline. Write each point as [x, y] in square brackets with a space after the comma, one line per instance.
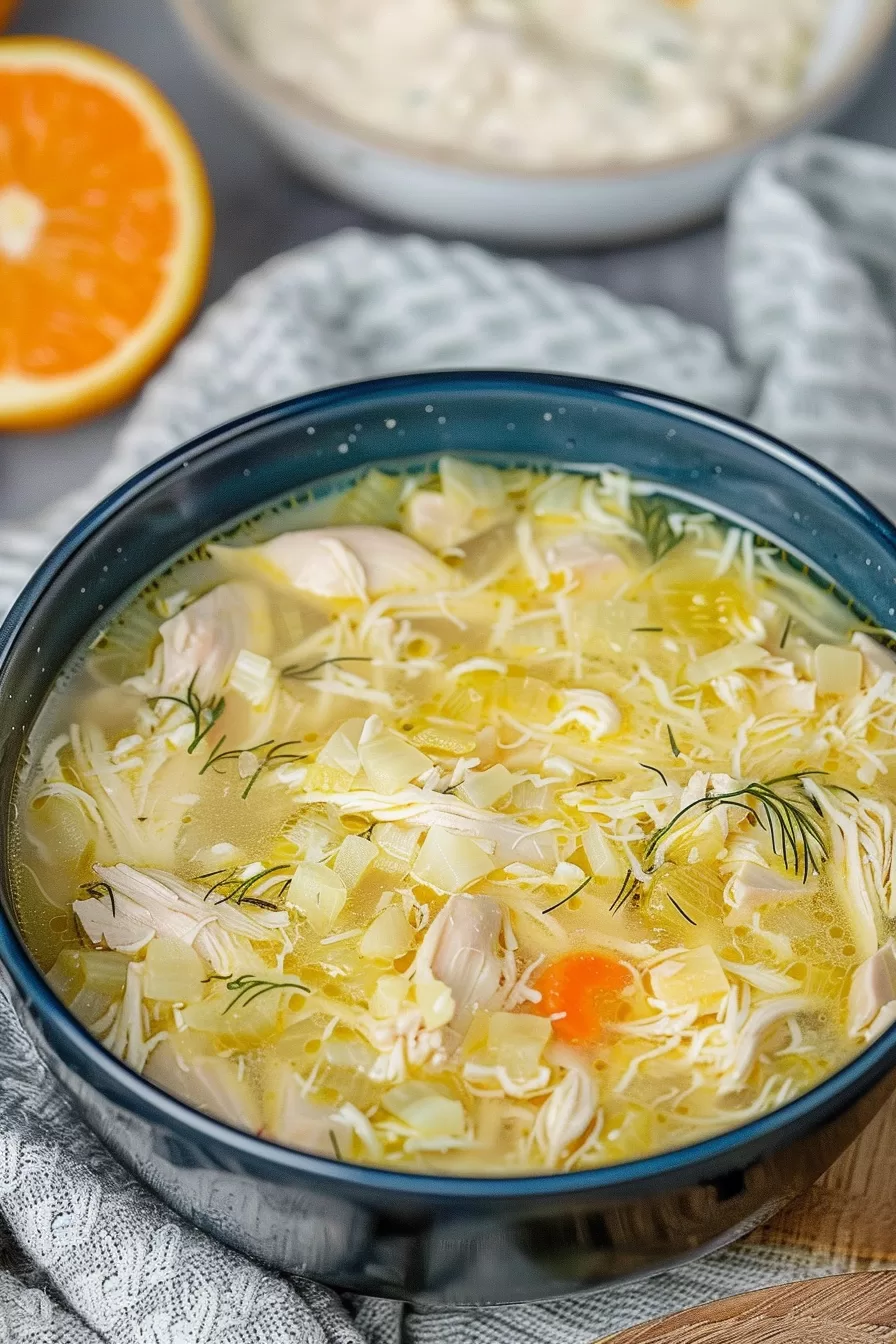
[262, 208]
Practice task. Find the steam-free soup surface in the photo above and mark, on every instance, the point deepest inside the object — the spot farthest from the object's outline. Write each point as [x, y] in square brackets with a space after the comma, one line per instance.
[476, 821]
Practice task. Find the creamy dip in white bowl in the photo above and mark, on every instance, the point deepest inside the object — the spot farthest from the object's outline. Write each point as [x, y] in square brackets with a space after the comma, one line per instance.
[512, 123]
[542, 83]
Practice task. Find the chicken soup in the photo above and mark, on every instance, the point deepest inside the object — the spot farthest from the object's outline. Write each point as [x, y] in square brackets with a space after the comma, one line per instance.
[472, 820]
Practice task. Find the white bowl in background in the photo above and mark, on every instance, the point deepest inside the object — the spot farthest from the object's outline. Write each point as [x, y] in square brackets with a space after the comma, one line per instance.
[439, 192]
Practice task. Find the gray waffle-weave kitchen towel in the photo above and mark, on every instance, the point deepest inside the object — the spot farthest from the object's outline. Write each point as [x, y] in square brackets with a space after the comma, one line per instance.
[86, 1253]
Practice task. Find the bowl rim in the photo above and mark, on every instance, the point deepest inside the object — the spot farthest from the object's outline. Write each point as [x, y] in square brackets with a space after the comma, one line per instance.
[151, 1103]
[806, 110]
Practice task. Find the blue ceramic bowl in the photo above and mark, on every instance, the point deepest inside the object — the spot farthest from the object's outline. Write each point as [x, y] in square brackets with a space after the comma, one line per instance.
[435, 1239]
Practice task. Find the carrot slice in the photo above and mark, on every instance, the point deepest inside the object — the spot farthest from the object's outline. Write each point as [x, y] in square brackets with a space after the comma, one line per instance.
[587, 989]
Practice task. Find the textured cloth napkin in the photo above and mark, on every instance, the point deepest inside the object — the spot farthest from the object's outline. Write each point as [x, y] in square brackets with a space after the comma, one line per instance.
[86, 1253]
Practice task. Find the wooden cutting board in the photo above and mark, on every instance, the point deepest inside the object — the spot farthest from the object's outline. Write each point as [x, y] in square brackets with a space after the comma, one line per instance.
[850, 1309]
[850, 1213]
[852, 1210]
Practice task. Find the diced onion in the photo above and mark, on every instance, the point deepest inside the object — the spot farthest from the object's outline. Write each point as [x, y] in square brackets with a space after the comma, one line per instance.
[389, 996]
[476, 486]
[435, 1002]
[319, 894]
[390, 762]
[425, 1109]
[603, 859]
[451, 862]
[389, 936]
[837, 671]
[353, 858]
[173, 973]
[341, 750]
[254, 677]
[484, 788]
[694, 976]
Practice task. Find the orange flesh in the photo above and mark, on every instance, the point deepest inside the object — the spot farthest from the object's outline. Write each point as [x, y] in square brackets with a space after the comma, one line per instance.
[587, 989]
[109, 222]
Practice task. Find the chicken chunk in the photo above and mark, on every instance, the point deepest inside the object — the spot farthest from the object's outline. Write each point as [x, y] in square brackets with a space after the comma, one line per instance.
[873, 988]
[345, 562]
[584, 559]
[439, 520]
[460, 950]
[753, 887]
[201, 643]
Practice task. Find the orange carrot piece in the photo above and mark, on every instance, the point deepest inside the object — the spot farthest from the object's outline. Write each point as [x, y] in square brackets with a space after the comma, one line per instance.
[586, 988]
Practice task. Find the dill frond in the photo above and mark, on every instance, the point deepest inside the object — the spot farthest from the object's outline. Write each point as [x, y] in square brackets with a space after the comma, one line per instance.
[240, 888]
[557, 904]
[296, 672]
[205, 714]
[275, 754]
[246, 988]
[650, 517]
[780, 807]
[101, 891]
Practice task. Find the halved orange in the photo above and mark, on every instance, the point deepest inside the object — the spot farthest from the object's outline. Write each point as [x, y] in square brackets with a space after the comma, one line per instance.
[105, 230]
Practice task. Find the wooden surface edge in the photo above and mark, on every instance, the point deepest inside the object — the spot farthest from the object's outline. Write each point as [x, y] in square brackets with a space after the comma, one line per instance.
[846, 1309]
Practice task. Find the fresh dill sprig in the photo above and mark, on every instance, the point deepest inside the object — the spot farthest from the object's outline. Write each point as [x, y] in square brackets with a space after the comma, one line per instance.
[274, 755]
[647, 629]
[585, 782]
[787, 624]
[325, 662]
[557, 904]
[335, 1144]
[246, 988]
[684, 914]
[629, 887]
[795, 835]
[676, 749]
[241, 888]
[205, 714]
[102, 891]
[656, 770]
[650, 517]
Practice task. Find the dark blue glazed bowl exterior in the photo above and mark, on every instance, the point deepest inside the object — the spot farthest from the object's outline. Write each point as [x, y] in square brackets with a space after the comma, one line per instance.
[435, 1240]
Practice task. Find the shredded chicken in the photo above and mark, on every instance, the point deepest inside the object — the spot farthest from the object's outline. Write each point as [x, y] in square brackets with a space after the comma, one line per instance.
[850, 869]
[754, 1034]
[151, 903]
[127, 1036]
[566, 1114]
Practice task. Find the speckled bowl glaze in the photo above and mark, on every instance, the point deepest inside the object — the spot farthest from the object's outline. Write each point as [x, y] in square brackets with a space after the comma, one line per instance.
[442, 192]
[435, 1240]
